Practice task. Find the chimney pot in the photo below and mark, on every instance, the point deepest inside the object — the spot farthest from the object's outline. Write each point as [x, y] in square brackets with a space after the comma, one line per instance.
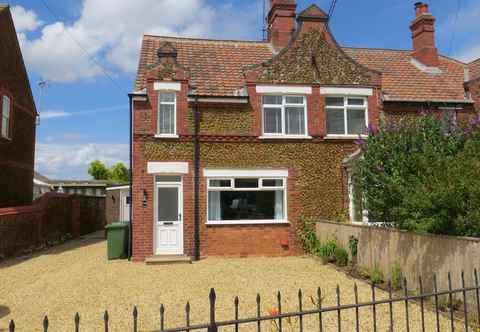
[421, 8]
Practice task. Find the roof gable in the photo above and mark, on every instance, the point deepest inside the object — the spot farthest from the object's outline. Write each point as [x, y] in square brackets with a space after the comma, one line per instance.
[313, 12]
[13, 74]
[313, 57]
[474, 68]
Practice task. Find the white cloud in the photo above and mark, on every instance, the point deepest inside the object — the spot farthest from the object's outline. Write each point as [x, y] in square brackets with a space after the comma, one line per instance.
[52, 114]
[111, 30]
[25, 20]
[65, 161]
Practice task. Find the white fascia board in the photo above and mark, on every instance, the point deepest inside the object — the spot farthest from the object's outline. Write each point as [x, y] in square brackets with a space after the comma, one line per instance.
[346, 91]
[117, 188]
[284, 89]
[167, 167]
[238, 173]
[171, 86]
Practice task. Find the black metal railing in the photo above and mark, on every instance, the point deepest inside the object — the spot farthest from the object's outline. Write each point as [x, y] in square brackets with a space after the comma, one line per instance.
[468, 320]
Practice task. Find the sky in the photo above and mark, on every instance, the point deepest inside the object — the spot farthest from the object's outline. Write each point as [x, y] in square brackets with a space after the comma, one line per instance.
[87, 52]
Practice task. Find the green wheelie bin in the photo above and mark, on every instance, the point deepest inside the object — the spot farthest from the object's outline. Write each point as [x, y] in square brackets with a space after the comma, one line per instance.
[117, 240]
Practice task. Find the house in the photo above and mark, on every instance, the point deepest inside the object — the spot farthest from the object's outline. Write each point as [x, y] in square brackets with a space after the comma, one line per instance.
[17, 119]
[235, 143]
[473, 84]
[41, 185]
[117, 204]
[95, 188]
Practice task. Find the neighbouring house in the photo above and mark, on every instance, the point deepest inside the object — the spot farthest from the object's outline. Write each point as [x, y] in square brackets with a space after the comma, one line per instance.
[17, 119]
[117, 204]
[236, 142]
[473, 83]
[41, 185]
[95, 188]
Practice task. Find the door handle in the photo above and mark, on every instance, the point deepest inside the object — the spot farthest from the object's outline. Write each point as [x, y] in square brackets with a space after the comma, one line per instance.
[179, 217]
[168, 223]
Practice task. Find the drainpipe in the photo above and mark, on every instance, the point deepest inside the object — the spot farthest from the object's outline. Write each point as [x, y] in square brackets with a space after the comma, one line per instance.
[196, 160]
[130, 233]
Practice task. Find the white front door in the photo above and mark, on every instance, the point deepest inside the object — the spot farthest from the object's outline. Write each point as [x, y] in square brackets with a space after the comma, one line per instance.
[169, 219]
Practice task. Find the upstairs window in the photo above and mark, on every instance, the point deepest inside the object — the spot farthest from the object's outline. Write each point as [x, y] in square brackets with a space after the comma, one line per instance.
[346, 116]
[6, 116]
[284, 116]
[167, 109]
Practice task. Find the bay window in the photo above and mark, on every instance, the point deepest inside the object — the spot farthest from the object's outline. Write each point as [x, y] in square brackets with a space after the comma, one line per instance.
[246, 200]
[5, 112]
[284, 115]
[167, 114]
[346, 116]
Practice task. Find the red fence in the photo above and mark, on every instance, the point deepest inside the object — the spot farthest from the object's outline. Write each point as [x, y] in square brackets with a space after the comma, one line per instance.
[50, 218]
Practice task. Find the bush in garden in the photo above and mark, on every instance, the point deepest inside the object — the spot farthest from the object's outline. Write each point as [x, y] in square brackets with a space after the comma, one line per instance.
[341, 256]
[422, 175]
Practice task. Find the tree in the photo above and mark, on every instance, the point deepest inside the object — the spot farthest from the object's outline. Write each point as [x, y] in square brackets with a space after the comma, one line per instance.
[98, 170]
[119, 173]
[423, 175]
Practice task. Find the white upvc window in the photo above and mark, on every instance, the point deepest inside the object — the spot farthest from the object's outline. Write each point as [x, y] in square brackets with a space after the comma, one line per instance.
[6, 115]
[346, 115]
[246, 200]
[284, 115]
[167, 114]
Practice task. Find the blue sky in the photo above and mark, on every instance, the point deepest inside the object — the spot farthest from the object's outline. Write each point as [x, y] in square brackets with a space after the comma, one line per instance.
[84, 115]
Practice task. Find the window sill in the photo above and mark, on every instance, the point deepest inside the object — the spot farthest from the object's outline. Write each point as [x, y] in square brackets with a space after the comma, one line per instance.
[166, 136]
[285, 137]
[345, 137]
[247, 222]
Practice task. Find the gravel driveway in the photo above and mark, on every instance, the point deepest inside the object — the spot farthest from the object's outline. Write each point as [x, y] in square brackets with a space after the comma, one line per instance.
[77, 277]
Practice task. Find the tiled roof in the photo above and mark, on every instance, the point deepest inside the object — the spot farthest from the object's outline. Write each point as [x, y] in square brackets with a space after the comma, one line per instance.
[215, 66]
[402, 80]
[474, 68]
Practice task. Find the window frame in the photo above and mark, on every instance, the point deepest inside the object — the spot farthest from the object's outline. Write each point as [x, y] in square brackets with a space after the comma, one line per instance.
[10, 114]
[260, 187]
[174, 103]
[345, 108]
[283, 107]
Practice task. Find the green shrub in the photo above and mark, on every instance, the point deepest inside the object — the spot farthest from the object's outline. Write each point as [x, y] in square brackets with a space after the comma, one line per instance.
[397, 276]
[327, 249]
[364, 272]
[353, 246]
[341, 256]
[376, 275]
[308, 237]
[422, 175]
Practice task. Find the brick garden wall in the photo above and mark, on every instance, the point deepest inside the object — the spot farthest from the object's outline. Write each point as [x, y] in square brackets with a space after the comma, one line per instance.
[49, 219]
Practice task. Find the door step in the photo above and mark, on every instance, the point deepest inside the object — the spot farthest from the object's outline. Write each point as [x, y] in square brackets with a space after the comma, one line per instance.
[168, 259]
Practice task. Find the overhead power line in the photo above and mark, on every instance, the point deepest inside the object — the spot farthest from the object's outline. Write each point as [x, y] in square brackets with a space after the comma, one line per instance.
[84, 50]
[332, 9]
[454, 29]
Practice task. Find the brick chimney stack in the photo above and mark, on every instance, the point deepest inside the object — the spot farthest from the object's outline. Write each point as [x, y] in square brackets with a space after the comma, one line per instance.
[281, 22]
[423, 35]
